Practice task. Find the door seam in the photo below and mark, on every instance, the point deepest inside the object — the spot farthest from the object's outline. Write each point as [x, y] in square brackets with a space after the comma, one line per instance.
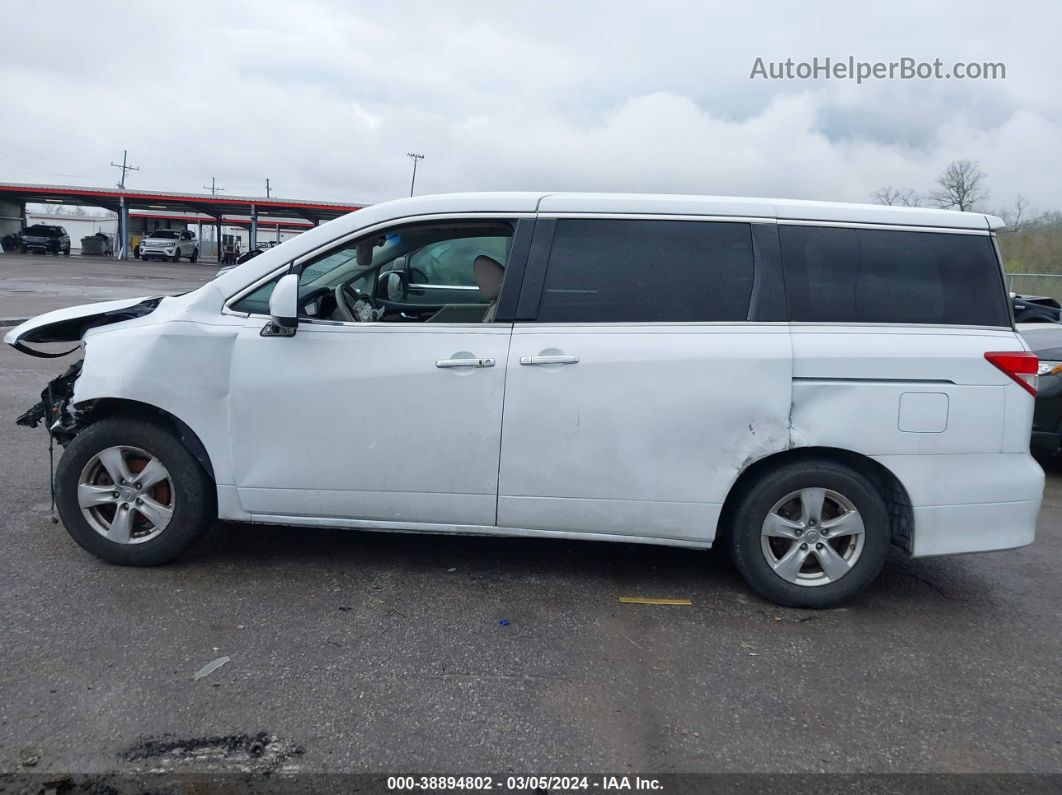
[501, 428]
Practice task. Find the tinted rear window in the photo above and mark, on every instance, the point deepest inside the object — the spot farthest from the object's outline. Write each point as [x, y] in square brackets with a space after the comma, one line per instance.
[838, 275]
[42, 231]
[614, 271]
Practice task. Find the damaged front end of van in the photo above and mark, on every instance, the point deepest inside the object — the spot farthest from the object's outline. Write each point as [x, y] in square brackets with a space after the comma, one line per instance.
[56, 408]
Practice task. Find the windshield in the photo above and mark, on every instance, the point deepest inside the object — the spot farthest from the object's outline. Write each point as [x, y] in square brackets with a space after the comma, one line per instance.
[163, 233]
[42, 231]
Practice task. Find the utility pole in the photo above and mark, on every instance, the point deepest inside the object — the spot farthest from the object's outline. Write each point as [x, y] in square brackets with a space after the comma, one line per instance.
[267, 187]
[213, 187]
[124, 168]
[414, 157]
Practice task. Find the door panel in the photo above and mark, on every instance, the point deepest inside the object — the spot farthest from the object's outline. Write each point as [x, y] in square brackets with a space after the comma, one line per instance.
[357, 421]
[646, 432]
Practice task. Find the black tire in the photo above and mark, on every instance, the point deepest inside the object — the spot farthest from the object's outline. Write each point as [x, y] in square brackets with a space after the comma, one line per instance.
[195, 254]
[772, 486]
[177, 254]
[66, 252]
[194, 498]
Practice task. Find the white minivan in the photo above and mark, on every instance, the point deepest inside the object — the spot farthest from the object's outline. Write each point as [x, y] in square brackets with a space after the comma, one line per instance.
[804, 383]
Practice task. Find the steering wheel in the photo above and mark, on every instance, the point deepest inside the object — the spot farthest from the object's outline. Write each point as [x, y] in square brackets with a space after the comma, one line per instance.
[354, 306]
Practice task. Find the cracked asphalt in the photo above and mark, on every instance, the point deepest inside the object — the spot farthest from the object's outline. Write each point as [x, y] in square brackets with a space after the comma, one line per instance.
[365, 652]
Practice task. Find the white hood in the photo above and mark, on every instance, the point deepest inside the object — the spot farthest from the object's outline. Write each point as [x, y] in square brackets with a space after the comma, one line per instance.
[67, 325]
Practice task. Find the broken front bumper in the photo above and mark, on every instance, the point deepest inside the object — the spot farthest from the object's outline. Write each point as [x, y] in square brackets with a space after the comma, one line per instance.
[54, 407]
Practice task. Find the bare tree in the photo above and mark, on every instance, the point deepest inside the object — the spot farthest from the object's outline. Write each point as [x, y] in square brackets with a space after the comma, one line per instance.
[962, 186]
[903, 197]
[1016, 216]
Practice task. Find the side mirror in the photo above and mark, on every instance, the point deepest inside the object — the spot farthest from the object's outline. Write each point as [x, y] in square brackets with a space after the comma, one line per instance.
[394, 285]
[283, 308]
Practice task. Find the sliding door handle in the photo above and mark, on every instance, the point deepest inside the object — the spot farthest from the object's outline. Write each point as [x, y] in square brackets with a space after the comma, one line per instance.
[464, 362]
[532, 360]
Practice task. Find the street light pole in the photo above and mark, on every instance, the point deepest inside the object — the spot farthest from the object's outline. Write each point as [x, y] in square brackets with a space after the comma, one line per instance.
[414, 157]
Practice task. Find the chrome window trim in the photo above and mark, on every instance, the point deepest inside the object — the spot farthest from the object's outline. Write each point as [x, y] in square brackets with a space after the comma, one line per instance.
[950, 230]
[736, 219]
[753, 219]
[796, 326]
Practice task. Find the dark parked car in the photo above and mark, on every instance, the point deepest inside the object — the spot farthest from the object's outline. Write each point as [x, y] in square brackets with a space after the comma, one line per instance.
[1045, 339]
[46, 239]
[1036, 309]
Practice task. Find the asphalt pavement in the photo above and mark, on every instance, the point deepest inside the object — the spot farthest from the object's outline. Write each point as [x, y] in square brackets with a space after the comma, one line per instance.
[357, 651]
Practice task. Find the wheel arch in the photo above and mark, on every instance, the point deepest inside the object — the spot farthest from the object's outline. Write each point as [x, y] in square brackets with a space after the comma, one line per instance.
[897, 501]
[100, 408]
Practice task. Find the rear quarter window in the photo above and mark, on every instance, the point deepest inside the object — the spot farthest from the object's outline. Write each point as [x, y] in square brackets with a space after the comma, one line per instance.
[840, 275]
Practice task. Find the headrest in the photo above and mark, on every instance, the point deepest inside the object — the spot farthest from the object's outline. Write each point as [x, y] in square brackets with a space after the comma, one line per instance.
[489, 274]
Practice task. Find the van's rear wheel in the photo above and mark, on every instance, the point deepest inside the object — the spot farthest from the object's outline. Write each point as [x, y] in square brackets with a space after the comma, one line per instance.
[129, 492]
[810, 534]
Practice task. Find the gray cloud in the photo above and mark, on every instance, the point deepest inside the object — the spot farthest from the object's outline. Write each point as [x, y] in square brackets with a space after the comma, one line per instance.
[326, 97]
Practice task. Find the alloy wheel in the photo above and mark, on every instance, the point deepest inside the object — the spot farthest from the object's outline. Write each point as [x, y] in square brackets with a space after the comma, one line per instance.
[812, 536]
[126, 495]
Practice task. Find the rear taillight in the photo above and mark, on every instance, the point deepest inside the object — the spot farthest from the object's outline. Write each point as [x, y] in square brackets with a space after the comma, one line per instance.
[1019, 365]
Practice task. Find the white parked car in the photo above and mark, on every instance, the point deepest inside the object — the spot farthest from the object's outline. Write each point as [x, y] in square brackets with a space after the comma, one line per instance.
[805, 384]
[171, 244]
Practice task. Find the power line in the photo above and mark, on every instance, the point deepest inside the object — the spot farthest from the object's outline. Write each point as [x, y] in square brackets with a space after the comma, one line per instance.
[125, 168]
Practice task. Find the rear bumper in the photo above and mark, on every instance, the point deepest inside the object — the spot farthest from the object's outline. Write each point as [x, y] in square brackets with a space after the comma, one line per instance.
[976, 527]
[970, 503]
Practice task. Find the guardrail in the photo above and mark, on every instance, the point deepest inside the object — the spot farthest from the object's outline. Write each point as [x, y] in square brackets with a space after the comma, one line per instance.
[1049, 284]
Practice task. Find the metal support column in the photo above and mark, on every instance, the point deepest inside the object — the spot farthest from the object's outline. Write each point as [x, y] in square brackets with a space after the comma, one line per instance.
[218, 238]
[254, 229]
[122, 252]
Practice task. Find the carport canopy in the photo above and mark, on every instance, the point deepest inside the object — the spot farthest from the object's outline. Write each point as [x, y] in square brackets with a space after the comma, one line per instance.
[217, 207]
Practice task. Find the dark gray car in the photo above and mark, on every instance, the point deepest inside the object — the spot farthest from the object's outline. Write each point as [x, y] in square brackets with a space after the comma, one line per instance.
[1045, 340]
[46, 239]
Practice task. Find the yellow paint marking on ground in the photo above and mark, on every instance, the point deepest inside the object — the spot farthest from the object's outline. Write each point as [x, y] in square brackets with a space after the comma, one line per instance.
[642, 600]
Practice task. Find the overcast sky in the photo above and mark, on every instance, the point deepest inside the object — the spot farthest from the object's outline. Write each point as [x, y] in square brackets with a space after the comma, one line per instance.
[325, 98]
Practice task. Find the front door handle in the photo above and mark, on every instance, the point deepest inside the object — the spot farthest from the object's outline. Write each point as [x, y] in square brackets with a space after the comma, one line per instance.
[562, 359]
[464, 362]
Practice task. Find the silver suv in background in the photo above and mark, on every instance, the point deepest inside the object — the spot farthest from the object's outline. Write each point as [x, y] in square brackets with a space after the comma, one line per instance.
[171, 244]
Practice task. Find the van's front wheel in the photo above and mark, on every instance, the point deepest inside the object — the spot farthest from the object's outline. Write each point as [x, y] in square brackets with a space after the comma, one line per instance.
[129, 492]
[810, 534]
